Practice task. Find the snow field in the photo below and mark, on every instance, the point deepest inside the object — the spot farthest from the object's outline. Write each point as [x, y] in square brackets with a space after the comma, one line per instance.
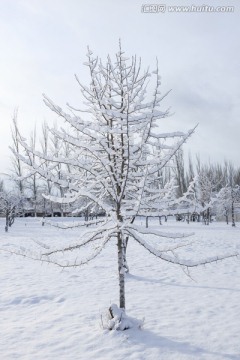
[47, 313]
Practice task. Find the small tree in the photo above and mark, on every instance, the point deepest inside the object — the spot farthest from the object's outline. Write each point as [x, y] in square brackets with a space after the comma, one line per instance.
[190, 203]
[222, 203]
[232, 191]
[47, 185]
[9, 206]
[115, 157]
[17, 169]
[179, 172]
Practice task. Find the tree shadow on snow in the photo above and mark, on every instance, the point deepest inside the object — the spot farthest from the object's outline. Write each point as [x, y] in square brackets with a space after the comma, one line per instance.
[156, 281]
[150, 340]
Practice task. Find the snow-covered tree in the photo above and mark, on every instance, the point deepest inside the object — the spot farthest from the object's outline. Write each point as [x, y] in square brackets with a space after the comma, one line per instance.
[190, 203]
[116, 151]
[17, 168]
[227, 202]
[222, 203]
[179, 172]
[10, 206]
[47, 184]
[160, 201]
[1, 185]
[207, 186]
[235, 201]
[32, 179]
[233, 191]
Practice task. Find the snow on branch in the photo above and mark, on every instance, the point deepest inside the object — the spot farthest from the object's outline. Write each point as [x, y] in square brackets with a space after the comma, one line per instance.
[174, 259]
[142, 230]
[90, 236]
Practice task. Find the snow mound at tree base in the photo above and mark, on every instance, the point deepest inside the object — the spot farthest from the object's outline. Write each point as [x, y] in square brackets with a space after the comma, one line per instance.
[116, 319]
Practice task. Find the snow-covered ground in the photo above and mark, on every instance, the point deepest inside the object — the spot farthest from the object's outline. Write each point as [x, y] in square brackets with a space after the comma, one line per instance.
[47, 313]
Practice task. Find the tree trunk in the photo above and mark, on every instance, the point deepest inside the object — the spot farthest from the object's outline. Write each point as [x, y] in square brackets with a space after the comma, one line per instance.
[121, 271]
[86, 215]
[62, 212]
[125, 264]
[226, 214]
[208, 216]
[125, 250]
[233, 219]
[7, 221]
[11, 219]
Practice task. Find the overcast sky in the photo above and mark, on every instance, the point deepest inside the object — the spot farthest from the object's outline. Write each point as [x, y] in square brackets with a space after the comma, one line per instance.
[43, 44]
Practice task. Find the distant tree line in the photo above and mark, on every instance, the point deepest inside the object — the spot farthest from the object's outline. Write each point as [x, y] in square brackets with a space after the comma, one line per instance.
[189, 190]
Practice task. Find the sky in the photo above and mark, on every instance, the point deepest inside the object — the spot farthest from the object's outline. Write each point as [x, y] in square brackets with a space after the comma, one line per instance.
[43, 43]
